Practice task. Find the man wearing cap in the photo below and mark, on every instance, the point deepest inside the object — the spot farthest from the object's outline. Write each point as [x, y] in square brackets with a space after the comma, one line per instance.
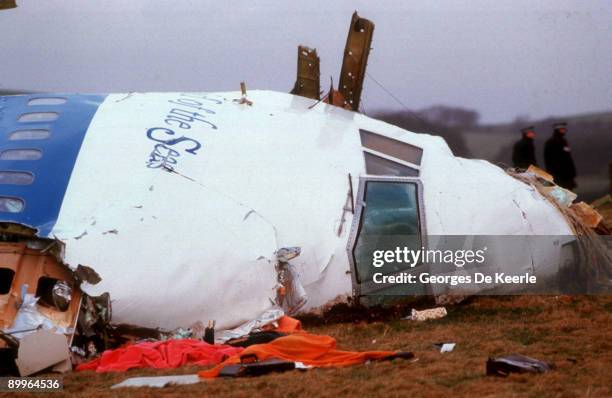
[523, 152]
[558, 158]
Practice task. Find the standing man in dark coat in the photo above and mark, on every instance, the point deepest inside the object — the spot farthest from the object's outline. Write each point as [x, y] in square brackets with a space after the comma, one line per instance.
[523, 152]
[558, 158]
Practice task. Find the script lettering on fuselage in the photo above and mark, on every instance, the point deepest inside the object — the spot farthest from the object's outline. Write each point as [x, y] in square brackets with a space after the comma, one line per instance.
[187, 111]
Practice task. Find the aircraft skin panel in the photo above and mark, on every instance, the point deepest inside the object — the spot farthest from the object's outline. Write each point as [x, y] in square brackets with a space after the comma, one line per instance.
[43, 197]
[202, 236]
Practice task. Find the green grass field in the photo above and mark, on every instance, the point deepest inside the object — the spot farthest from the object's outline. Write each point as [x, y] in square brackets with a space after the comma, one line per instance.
[575, 333]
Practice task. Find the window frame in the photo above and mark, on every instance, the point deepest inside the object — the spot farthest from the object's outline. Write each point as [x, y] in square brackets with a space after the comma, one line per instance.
[42, 283]
[11, 171]
[14, 132]
[13, 150]
[28, 117]
[13, 277]
[393, 143]
[391, 159]
[51, 101]
[365, 287]
[23, 204]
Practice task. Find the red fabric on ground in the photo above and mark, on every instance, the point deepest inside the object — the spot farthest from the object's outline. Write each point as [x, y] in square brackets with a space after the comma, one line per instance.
[160, 355]
[318, 351]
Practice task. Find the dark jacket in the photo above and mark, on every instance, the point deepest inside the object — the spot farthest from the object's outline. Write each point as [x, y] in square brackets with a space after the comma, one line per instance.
[523, 153]
[559, 162]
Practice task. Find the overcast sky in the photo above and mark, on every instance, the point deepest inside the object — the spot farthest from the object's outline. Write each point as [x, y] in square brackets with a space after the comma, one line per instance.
[502, 58]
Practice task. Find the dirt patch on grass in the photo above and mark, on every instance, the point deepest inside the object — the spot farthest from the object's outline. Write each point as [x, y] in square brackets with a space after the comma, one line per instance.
[572, 332]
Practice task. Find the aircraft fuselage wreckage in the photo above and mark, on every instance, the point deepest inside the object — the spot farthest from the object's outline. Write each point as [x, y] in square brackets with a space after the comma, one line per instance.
[199, 206]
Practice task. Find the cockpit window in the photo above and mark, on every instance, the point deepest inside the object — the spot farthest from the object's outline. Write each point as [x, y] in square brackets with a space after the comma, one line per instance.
[388, 146]
[379, 166]
[389, 220]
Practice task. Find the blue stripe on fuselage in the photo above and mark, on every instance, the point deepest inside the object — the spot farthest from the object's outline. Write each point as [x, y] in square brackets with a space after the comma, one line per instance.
[43, 198]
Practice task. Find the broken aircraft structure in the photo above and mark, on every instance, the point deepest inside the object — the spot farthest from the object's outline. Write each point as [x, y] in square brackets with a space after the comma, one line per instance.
[185, 204]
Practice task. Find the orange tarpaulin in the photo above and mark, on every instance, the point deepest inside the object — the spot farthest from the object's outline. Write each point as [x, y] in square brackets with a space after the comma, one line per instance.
[286, 324]
[313, 350]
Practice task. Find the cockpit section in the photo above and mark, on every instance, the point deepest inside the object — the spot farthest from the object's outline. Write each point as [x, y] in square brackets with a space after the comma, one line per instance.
[389, 212]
